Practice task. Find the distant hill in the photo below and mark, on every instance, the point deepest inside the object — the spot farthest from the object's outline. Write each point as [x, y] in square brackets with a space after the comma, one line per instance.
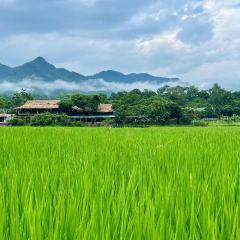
[4, 71]
[39, 70]
[114, 76]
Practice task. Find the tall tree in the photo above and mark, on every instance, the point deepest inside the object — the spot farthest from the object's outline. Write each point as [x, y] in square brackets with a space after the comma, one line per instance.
[20, 98]
[3, 102]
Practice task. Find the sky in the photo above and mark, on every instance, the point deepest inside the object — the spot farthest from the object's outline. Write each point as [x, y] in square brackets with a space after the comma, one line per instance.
[195, 40]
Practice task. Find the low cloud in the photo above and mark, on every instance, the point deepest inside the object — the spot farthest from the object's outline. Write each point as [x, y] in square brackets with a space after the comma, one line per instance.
[91, 85]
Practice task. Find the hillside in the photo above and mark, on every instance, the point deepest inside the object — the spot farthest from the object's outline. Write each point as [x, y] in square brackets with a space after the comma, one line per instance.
[39, 72]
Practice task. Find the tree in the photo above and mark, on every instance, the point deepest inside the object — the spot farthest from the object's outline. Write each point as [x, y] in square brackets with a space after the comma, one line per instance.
[145, 105]
[221, 100]
[94, 102]
[162, 111]
[176, 94]
[103, 98]
[3, 102]
[192, 93]
[66, 105]
[80, 100]
[187, 116]
[163, 91]
[20, 98]
[148, 93]
[88, 103]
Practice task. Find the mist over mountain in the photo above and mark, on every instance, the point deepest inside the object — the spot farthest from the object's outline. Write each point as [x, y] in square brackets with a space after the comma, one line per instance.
[41, 76]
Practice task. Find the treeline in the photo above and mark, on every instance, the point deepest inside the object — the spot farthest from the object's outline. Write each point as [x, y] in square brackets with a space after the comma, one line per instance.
[180, 105]
[167, 105]
[87, 103]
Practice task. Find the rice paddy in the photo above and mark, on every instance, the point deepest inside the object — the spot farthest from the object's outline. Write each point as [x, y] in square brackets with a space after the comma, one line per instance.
[101, 183]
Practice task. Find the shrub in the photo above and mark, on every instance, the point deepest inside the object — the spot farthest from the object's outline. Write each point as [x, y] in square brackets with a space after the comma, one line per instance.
[19, 121]
[42, 119]
[48, 119]
[199, 123]
[187, 116]
[75, 124]
[234, 118]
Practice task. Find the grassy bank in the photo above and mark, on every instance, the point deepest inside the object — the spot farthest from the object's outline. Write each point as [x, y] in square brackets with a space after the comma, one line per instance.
[101, 183]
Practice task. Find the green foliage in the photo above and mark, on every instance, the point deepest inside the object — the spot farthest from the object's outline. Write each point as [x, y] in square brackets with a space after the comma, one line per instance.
[3, 102]
[88, 103]
[20, 98]
[234, 118]
[42, 119]
[48, 119]
[103, 98]
[225, 121]
[66, 105]
[161, 111]
[200, 123]
[145, 106]
[188, 115]
[190, 103]
[80, 100]
[20, 121]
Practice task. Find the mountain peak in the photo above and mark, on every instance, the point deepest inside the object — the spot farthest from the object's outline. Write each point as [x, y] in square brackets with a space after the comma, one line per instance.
[40, 60]
[109, 75]
[40, 69]
[111, 71]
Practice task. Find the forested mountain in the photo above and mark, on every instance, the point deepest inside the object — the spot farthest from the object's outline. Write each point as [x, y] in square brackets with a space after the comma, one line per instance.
[34, 75]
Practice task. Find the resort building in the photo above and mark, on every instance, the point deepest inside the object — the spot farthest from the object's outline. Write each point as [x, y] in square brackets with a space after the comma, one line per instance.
[38, 106]
[5, 118]
[103, 112]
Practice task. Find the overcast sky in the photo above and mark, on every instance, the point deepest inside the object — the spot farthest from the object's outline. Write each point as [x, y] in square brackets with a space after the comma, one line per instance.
[196, 40]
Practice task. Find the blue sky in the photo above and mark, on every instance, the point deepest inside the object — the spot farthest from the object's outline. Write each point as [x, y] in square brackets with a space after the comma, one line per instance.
[196, 40]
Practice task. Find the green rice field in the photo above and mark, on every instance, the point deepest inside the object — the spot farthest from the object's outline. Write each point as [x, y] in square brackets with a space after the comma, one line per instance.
[106, 183]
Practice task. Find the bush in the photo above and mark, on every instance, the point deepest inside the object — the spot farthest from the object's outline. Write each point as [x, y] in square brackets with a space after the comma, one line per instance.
[48, 119]
[75, 124]
[199, 123]
[107, 123]
[234, 118]
[43, 119]
[19, 121]
[187, 116]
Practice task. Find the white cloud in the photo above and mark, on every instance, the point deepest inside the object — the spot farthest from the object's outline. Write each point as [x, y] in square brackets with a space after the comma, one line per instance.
[6, 2]
[143, 17]
[166, 39]
[36, 84]
[130, 38]
[88, 3]
[226, 73]
[74, 52]
[225, 17]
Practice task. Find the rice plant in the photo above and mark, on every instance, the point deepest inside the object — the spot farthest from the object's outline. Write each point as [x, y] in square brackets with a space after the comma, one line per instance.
[101, 183]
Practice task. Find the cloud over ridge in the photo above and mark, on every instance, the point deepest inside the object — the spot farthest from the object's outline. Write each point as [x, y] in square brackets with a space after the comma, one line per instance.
[181, 38]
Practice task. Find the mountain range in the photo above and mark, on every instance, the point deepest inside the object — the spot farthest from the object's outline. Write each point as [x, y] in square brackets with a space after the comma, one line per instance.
[39, 75]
